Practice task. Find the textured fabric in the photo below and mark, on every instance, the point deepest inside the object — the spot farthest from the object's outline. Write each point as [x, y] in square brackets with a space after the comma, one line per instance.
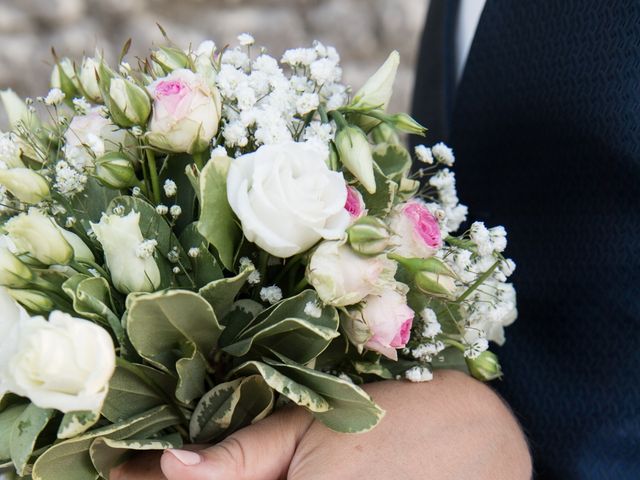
[546, 130]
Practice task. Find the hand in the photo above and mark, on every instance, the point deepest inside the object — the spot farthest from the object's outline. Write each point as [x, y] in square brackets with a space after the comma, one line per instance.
[450, 428]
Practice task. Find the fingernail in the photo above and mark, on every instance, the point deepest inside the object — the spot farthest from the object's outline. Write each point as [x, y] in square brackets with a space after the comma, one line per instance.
[186, 457]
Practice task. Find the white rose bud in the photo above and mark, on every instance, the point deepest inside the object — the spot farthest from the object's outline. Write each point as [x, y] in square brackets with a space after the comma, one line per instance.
[342, 277]
[25, 184]
[32, 299]
[13, 273]
[132, 103]
[91, 135]
[17, 110]
[436, 284]
[377, 90]
[40, 237]
[64, 363]
[121, 238]
[286, 197]
[355, 154]
[81, 252]
[115, 171]
[63, 76]
[186, 112]
[89, 79]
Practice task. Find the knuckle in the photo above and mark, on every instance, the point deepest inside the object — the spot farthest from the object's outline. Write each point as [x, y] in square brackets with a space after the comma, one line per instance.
[234, 454]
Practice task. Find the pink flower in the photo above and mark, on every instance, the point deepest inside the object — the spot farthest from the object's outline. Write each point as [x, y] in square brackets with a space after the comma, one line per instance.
[186, 112]
[355, 204]
[416, 232]
[389, 320]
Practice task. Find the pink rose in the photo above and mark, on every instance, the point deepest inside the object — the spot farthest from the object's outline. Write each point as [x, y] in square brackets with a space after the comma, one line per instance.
[186, 112]
[389, 320]
[355, 204]
[416, 232]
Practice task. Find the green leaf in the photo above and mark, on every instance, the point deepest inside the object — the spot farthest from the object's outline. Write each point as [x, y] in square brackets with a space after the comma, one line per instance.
[217, 222]
[450, 358]
[70, 460]
[230, 406]
[294, 391]
[24, 433]
[185, 333]
[153, 226]
[381, 202]
[129, 395]
[107, 453]
[370, 368]
[89, 205]
[351, 409]
[221, 293]
[289, 331]
[76, 423]
[7, 420]
[204, 267]
[394, 160]
[174, 169]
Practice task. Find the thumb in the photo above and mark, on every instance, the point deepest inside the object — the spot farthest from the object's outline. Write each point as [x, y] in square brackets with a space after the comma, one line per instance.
[262, 451]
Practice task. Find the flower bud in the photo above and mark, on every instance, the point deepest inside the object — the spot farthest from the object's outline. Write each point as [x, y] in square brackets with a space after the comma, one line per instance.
[88, 79]
[81, 252]
[376, 92]
[131, 263]
[17, 111]
[203, 60]
[355, 154]
[485, 367]
[406, 123]
[408, 187]
[170, 59]
[25, 184]
[130, 104]
[368, 236]
[13, 273]
[32, 300]
[64, 77]
[38, 236]
[436, 285]
[115, 171]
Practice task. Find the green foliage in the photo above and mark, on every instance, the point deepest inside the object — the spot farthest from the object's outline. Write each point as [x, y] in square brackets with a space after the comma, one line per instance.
[393, 159]
[287, 330]
[76, 423]
[24, 432]
[381, 202]
[221, 293]
[8, 419]
[230, 406]
[204, 267]
[217, 222]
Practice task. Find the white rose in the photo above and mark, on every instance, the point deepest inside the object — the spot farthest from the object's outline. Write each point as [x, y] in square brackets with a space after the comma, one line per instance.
[286, 197]
[64, 363]
[186, 112]
[88, 78]
[342, 277]
[133, 269]
[12, 315]
[38, 236]
[89, 136]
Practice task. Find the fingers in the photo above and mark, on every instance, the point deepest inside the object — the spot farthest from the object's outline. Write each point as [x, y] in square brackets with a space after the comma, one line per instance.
[259, 452]
[143, 466]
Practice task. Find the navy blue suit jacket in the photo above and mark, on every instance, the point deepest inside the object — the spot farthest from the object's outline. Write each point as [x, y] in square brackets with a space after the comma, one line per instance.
[545, 124]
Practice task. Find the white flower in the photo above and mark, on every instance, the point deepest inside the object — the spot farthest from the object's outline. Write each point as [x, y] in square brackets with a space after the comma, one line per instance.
[146, 248]
[286, 197]
[170, 188]
[54, 97]
[426, 351]
[120, 238]
[89, 136]
[307, 102]
[10, 152]
[416, 232]
[424, 154]
[245, 39]
[419, 374]
[475, 343]
[162, 209]
[271, 294]
[25, 184]
[431, 326]
[194, 252]
[88, 78]
[325, 71]
[299, 56]
[12, 316]
[443, 154]
[493, 307]
[131, 104]
[64, 363]
[480, 236]
[377, 90]
[186, 112]
[355, 154]
[175, 211]
[39, 236]
[313, 309]
[81, 105]
[342, 277]
[13, 273]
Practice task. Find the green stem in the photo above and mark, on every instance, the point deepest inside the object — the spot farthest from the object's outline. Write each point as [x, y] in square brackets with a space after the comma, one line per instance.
[300, 286]
[323, 114]
[339, 119]
[153, 173]
[262, 266]
[478, 282]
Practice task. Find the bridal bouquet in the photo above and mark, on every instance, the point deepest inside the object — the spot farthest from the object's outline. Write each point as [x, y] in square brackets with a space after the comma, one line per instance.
[192, 242]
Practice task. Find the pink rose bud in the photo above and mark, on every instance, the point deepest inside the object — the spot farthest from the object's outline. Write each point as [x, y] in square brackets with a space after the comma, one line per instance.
[355, 204]
[416, 232]
[186, 112]
[389, 320]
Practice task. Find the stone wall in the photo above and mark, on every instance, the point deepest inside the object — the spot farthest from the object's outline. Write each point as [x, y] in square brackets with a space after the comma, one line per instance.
[364, 31]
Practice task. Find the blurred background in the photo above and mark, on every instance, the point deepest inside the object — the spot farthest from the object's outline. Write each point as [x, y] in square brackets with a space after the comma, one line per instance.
[363, 31]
